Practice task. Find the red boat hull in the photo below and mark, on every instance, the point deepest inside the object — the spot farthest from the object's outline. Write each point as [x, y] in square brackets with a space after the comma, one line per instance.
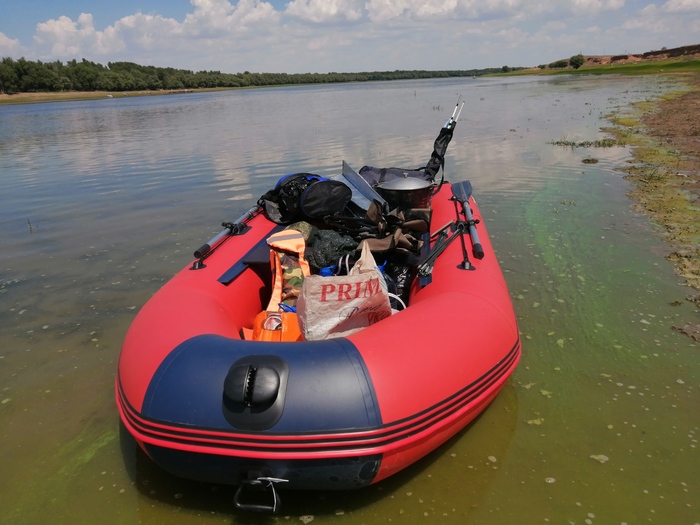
[355, 410]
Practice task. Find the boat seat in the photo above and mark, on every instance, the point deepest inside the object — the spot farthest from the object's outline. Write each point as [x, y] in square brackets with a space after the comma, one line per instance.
[259, 254]
[257, 259]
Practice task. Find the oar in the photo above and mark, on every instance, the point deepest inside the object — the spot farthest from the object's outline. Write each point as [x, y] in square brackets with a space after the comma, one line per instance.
[237, 227]
[461, 192]
[442, 242]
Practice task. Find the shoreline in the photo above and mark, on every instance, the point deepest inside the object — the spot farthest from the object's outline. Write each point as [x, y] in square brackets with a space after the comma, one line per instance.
[73, 96]
[665, 175]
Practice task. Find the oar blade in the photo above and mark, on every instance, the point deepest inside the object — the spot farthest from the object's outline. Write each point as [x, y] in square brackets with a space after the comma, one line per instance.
[462, 191]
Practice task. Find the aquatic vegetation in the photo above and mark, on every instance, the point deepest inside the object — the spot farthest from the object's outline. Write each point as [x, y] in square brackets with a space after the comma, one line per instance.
[6, 283]
[653, 173]
[602, 143]
[663, 182]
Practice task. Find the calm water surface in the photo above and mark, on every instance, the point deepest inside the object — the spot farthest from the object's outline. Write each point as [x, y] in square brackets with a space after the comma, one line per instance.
[103, 201]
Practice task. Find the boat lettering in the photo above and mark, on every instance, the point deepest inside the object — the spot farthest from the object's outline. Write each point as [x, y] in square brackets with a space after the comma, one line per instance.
[349, 291]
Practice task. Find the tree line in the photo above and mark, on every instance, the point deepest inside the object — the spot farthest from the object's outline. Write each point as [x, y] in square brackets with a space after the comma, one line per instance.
[21, 75]
[575, 62]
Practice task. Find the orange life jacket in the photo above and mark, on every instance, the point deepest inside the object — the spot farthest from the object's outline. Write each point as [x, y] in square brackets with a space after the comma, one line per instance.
[278, 322]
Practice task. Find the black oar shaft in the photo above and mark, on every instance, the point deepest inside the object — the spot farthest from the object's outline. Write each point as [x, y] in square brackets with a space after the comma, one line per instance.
[477, 249]
[461, 192]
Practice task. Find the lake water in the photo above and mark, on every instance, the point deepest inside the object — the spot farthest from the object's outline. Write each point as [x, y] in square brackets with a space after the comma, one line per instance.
[102, 201]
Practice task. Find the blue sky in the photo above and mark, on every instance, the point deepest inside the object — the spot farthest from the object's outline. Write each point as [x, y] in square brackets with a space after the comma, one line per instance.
[297, 36]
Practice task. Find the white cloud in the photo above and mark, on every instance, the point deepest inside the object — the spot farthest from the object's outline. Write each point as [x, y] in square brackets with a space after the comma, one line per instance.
[668, 19]
[321, 11]
[477, 9]
[145, 31]
[63, 36]
[554, 25]
[596, 6]
[212, 17]
[681, 6]
[380, 11]
[432, 10]
[362, 35]
[10, 46]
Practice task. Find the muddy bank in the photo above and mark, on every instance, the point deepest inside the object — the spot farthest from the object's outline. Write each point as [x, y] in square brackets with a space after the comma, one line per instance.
[665, 171]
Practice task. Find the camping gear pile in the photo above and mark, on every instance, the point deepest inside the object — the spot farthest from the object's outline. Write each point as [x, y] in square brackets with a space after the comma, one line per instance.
[389, 219]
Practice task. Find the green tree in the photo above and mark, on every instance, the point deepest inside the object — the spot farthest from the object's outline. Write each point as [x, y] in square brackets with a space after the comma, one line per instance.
[84, 75]
[38, 77]
[61, 84]
[577, 61]
[9, 81]
[25, 75]
[152, 82]
[171, 81]
[107, 81]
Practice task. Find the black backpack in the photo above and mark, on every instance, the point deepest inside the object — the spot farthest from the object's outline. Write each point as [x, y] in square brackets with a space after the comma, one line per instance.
[305, 196]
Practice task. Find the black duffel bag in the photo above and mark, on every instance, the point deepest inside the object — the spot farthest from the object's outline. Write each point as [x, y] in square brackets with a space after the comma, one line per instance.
[305, 196]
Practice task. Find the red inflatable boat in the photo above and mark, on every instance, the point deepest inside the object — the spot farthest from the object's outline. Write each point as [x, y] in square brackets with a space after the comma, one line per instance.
[339, 413]
[349, 411]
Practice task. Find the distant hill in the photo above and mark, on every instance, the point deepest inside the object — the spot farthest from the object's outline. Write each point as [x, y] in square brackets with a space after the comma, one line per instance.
[692, 51]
